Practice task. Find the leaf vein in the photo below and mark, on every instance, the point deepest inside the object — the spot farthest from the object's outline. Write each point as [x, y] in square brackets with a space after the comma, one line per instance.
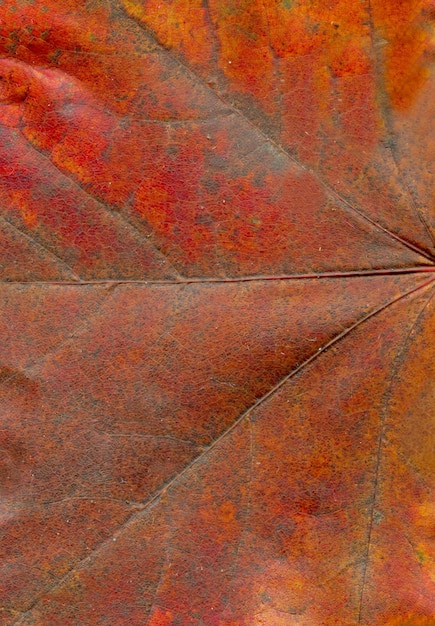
[116, 215]
[280, 148]
[154, 500]
[423, 269]
[43, 248]
[389, 126]
[381, 438]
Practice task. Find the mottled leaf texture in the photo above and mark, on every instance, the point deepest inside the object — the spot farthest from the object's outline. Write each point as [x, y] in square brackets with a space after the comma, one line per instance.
[217, 313]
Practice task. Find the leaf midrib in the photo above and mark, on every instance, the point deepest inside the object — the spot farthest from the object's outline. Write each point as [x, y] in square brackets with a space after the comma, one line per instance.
[203, 280]
[256, 128]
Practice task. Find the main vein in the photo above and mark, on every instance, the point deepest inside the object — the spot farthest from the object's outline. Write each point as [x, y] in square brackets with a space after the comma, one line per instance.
[279, 147]
[200, 458]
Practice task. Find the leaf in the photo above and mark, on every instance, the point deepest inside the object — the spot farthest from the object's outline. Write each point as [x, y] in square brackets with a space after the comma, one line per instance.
[217, 313]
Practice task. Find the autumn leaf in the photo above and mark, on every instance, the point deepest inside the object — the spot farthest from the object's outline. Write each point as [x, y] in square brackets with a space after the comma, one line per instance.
[217, 313]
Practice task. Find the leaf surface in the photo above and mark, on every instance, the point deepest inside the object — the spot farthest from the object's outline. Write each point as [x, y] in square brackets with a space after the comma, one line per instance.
[217, 311]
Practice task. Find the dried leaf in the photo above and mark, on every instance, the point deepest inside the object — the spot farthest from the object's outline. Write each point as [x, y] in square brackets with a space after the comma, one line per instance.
[217, 314]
